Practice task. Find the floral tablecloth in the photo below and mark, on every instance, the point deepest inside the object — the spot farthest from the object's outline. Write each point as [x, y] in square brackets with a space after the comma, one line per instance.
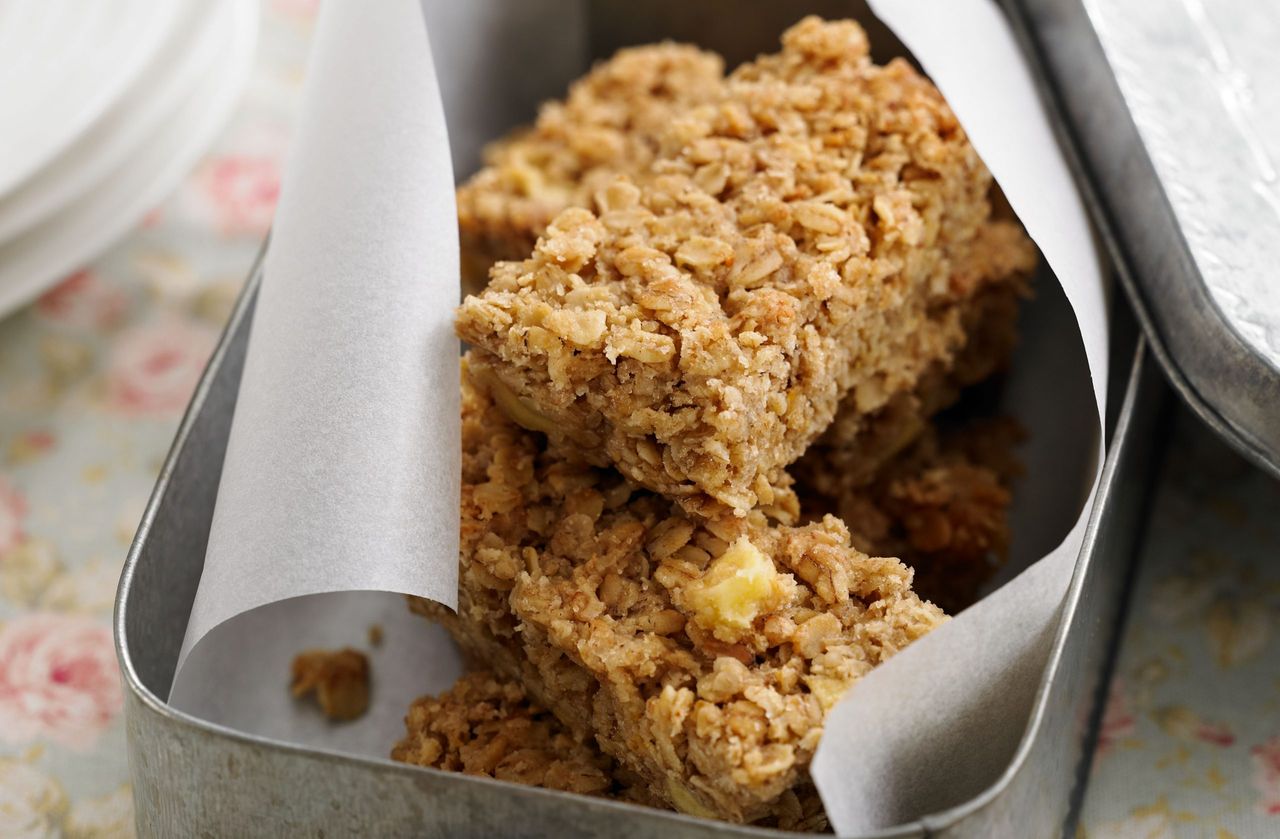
[94, 376]
[1190, 739]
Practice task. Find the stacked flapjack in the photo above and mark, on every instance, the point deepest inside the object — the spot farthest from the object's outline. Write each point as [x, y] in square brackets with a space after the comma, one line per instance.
[700, 458]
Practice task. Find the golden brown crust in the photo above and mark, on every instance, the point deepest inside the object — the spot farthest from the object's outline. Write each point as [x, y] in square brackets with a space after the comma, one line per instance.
[937, 501]
[724, 266]
[702, 655]
[607, 125]
[802, 238]
[487, 725]
[856, 446]
[484, 725]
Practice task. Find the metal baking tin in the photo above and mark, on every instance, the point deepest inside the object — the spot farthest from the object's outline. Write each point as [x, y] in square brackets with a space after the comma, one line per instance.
[1174, 108]
[191, 777]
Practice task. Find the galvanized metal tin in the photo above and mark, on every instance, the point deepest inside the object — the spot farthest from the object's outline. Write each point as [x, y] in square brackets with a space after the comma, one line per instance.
[194, 778]
[1173, 108]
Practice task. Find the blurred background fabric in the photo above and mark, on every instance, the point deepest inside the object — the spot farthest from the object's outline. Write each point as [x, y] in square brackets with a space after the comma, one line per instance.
[1189, 745]
[95, 374]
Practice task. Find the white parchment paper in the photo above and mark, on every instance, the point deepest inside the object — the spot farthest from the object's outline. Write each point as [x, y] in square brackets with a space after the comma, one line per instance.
[342, 468]
[949, 711]
[341, 480]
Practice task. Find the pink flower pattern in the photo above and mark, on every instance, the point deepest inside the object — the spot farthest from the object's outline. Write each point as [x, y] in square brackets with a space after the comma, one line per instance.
[83, 301]
[1215, 734]
[1266, 775]
[58, 679]
[153, 368]
[1118, 721]
[136, 347]
[13, 511]
[242, 190]
[38, 441]
[300, 9]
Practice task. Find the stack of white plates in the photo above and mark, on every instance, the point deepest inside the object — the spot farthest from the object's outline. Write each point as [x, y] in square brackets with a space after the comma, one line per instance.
[104, 106]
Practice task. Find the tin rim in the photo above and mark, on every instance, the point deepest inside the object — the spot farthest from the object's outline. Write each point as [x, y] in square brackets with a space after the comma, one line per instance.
[1195, 312]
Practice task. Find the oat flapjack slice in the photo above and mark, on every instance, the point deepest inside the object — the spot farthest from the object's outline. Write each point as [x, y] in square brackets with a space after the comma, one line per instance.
[702, 655]
[941, 505]
[488, 725]
[606, 126]
[800, 239]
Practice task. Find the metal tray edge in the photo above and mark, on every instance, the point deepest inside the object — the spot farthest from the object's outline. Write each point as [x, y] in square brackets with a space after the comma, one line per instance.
[1117, 460]
[1159, 320]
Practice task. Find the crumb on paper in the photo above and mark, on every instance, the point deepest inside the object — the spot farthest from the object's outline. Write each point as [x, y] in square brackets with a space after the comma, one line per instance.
[339, 679]
[375, 634]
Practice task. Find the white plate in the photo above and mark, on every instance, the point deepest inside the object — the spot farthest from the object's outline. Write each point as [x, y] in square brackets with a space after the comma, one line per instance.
[184, 58]
[72, 237]
[63, 63]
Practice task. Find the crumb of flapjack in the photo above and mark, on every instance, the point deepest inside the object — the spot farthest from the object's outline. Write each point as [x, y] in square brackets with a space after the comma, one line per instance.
[338, 678]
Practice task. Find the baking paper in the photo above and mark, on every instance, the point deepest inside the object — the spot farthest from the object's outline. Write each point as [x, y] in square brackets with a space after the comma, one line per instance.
[949, 711]
[241, 670]
[342, 468]
[341, 472]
